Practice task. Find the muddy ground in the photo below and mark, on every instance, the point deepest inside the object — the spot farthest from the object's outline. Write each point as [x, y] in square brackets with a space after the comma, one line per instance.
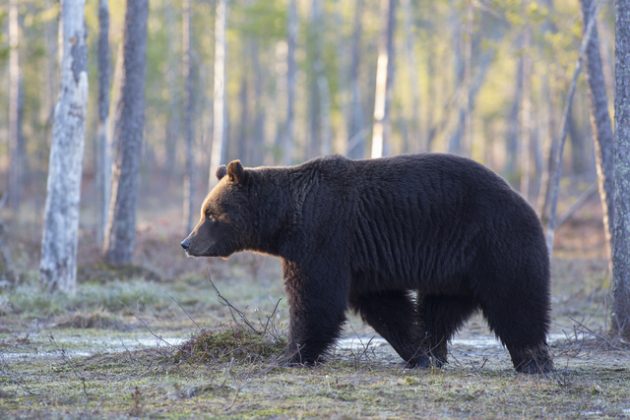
[114, 349]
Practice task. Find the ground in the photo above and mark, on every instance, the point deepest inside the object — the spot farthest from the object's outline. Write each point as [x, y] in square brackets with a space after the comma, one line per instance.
[118, 348]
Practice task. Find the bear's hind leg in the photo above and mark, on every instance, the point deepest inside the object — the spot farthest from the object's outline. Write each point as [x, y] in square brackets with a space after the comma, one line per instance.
[521, 324]
[392, 314]
[442, 317]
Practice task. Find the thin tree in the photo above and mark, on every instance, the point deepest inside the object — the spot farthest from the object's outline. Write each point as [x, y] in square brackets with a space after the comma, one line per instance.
[189, 114]
[16, 139]
[412, 71]
[356, 121]
[104, 159]
[462, 43]
[550, 207]
[219, 111]
[621, 202]
[319, 101]
[172, 72]
[292, 33]
[602, 126]
[384, 81]
[58, 265]
[121, 227]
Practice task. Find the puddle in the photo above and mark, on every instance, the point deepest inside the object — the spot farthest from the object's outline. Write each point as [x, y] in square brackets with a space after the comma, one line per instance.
[478, 342]
[89, 346]
[78, 346]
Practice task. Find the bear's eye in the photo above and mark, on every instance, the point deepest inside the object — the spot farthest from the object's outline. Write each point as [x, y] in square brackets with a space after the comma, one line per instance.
[210, 217]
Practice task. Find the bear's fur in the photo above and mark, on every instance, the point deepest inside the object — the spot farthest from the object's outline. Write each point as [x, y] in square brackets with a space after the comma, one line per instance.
[364, 234]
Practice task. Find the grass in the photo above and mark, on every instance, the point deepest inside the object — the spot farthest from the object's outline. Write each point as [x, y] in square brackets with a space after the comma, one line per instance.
[96, 355]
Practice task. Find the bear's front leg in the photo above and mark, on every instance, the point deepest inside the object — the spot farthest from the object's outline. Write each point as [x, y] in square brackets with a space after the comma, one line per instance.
[317, 304]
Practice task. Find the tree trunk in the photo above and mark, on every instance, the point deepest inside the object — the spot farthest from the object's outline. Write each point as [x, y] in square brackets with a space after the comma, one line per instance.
[602, 126]
[414, 115]
[189, 116]
[549, 216]
[463, 58]
[16, 138]
[103, 159]
[384, 81]
[172, 81]
[292, 33]
[319, 113]
[121, 227]
[219, 111]
[356, 121]
[514, 121]
[61, 216]
[621, 202]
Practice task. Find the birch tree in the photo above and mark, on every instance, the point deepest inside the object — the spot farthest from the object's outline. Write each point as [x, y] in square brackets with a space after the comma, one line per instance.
[602, 126]
[621, 201]
[104, 160]
[61, 215]
[219, 111]
[128, 132]
[16, 139]
[384, 81]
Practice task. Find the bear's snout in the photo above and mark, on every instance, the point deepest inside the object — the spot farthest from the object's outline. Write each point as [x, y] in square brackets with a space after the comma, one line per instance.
[185, 244]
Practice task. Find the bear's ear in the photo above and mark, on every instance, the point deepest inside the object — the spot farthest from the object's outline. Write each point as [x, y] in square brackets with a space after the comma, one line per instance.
[236, 172]
[221, 171]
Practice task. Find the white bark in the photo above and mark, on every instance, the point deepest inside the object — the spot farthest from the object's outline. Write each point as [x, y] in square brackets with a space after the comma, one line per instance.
[218, 136]
[61, 220]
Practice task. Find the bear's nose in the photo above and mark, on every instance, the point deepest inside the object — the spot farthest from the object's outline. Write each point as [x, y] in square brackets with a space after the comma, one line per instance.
[185, 244]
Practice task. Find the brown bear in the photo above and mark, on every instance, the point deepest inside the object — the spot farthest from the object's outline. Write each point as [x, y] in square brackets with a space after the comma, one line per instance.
[365, 234]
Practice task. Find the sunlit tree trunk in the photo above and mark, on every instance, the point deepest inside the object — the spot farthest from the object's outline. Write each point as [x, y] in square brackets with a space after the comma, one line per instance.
[621, 175]
[189, 115]
[219, 111]
[384, 81]
[602, 125]
[16, 139]
[355, 118]
[103, 158]
[121, 227]
[58, 264]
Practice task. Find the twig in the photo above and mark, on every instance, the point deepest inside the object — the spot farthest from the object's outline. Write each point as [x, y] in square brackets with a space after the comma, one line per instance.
[184, 311]
[232, 308]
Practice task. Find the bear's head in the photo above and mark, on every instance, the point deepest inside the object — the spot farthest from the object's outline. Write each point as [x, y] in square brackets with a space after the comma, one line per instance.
[227, 216]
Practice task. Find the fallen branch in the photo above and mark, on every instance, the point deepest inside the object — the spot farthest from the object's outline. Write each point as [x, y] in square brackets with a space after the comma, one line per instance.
[584, 198]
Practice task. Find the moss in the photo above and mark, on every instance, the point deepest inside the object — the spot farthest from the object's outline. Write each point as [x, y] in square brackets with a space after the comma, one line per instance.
[223, 346]
[104, 273]
[92, 320]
